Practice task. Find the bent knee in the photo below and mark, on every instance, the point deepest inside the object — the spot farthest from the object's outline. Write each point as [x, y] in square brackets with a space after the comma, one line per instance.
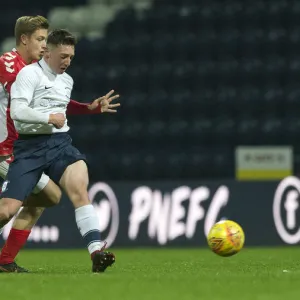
[51, 194]
[4, 215]
[54, 198]
[36, 211]
[45, 198]
[8, 208]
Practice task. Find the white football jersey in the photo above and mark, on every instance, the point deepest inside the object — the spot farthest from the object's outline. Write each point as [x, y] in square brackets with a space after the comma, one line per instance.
[43, 91]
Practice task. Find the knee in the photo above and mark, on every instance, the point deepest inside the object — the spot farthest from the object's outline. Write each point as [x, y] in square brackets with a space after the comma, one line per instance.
[45, 198]
[8, 208]
[51, 195]
[36, 211]
[4, 215]
[54, 197]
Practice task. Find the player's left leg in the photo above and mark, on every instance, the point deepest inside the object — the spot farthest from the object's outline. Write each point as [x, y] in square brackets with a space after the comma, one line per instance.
[74, 181]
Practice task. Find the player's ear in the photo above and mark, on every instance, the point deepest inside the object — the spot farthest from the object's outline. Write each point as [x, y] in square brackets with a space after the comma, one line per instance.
[24, 39]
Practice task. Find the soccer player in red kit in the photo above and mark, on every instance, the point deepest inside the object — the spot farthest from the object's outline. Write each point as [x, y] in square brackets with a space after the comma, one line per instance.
[31, 33]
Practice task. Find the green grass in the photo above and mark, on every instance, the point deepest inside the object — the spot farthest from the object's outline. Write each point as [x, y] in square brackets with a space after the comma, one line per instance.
[158, 274]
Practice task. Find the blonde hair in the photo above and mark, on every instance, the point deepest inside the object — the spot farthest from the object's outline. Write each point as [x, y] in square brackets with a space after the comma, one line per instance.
[28, 25]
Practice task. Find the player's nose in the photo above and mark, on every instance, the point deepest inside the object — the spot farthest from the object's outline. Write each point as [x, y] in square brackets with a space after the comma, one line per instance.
[68, 61]
[44, 45]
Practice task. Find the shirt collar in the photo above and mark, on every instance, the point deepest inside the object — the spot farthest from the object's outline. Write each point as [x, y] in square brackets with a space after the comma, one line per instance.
[46, 67]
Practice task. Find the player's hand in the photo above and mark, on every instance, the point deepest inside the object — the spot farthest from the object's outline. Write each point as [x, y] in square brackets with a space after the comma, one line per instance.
[57, 120]
[105, 103]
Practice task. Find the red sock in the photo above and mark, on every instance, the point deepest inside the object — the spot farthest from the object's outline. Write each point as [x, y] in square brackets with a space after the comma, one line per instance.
[14, 243]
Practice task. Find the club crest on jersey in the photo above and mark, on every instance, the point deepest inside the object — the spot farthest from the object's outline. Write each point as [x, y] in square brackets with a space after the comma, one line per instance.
[4, 185]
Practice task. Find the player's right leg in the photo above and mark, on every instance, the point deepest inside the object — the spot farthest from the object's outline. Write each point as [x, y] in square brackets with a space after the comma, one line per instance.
[46, 194]
[21, 179]
[8, 208]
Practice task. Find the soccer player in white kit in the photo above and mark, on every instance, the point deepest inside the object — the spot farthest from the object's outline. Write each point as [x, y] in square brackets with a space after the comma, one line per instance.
[39, 99]
[30, 34]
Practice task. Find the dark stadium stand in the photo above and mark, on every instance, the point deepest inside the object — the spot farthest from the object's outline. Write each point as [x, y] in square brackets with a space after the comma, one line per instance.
[196, 78]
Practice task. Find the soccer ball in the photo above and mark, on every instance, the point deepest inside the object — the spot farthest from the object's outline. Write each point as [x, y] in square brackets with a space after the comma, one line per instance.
[226, 238]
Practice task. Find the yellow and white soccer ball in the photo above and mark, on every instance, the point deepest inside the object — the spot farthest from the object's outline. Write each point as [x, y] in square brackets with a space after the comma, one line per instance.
[226, 238]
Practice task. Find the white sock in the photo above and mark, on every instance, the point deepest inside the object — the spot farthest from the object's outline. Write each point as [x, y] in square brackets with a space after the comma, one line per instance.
[88, 225]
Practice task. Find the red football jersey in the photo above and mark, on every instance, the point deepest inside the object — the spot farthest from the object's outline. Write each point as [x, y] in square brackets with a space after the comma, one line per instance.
[10, 65]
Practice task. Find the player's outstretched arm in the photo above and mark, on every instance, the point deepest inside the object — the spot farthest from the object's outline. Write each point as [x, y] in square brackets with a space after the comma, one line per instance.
[99, 105]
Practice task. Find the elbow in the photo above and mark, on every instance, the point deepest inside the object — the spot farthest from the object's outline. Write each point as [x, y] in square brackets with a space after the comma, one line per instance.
[16, 113]
[13, 115]
[15, 110]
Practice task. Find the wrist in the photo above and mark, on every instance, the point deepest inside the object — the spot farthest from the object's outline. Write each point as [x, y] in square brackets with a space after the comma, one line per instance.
[50, 120]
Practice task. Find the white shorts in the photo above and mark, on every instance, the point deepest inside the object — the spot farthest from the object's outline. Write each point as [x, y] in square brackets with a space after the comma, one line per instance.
[40, 185]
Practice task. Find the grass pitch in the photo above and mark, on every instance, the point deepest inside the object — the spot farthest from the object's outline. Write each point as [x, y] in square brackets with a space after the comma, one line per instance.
[154, 274]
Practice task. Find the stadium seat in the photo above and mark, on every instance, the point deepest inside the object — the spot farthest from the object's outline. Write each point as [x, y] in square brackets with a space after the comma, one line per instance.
[197, 79]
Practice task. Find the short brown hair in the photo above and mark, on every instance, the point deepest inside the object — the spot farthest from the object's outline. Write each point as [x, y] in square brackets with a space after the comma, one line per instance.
[28, 25]
[61, 37]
